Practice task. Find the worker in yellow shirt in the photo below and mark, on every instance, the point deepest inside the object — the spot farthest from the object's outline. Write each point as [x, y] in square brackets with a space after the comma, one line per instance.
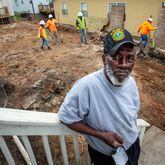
[52, 26]
[144, 30]
[42, 35]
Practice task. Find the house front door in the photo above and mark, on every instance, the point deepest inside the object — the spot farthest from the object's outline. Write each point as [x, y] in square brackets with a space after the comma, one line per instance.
[117, 17]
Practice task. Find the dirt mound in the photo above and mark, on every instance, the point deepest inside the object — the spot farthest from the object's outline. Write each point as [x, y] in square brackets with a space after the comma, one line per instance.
[157, 53]
[68, 28]
[6, 89]
[95, 36]
[28, 68]
[44, 93]
[40, 79]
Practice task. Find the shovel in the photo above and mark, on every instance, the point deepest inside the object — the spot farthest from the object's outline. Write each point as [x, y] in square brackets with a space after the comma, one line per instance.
[153, 44]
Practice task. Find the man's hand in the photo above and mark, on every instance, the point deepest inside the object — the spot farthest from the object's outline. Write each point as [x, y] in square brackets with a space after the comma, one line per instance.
[112, 139]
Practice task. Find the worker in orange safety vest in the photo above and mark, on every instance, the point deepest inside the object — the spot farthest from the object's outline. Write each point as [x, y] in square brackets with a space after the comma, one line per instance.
[51, 25]
[144, 30]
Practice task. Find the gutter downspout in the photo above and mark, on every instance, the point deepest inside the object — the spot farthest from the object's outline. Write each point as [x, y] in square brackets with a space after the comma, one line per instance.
[31, 1]
[12, 10]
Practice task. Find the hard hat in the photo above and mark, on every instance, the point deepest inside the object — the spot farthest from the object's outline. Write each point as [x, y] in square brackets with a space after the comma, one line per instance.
[80, 14]
[50, 16]
[150, 19]
[42, 22]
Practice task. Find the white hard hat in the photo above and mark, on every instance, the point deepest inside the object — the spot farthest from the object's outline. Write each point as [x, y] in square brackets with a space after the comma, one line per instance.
[50, 16]
[42, 22]
[150, 19]
[80, 14]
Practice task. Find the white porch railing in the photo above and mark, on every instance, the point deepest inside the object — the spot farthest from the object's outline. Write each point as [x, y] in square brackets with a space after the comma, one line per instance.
[24, 123]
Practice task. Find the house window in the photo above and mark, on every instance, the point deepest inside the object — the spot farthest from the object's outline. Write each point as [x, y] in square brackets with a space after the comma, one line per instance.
[1, 4]
[16, 2]
[115, 4]
[83, 8]
[163, 4]
[64, 8]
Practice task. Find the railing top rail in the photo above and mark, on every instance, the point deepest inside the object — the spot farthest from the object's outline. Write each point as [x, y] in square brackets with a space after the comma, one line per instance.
[3, 7]
[26, 117]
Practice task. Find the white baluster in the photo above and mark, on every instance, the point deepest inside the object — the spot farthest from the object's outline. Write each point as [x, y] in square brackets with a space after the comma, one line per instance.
[6, 151]
[47, 149]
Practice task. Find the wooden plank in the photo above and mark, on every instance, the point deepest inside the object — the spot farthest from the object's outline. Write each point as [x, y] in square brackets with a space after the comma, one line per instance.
[6, 151]
[141, 122]
[76, 149]
[20, 130]
[47, 150]
[29, 149]
[5, 16]
[61, 129]
[63, 150]
[25, 117]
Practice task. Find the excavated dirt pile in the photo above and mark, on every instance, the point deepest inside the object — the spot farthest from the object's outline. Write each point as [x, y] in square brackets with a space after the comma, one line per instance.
[6, 89]
[157, 53]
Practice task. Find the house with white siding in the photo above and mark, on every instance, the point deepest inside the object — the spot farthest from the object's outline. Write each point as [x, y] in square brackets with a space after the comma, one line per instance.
[6, 4]
[30, 6]
[6, 11]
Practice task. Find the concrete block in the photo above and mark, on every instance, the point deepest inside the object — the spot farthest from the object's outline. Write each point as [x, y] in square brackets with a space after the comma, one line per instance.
[153, 147]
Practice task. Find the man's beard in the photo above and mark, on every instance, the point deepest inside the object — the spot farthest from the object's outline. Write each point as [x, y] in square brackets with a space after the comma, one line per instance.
[114, 80]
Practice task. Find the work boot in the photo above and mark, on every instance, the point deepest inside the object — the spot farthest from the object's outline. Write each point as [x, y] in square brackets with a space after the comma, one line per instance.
[82, 44]
[42, 47]
[143, 50]
[49, 48]
[138, 44]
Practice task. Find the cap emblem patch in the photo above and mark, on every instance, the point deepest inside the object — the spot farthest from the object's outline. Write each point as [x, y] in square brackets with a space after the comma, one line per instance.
[118, 35]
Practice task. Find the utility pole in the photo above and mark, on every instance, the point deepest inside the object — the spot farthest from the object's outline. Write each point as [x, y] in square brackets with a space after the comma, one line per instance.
[31, 1]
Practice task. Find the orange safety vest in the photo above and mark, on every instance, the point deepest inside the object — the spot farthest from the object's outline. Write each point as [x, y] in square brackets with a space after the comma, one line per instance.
[145, 28]
[51, 25]
[41, 32]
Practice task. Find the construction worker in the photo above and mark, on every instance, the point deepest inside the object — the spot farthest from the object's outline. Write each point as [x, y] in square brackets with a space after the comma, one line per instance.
[144, 30]
[42, 34]
[52, 26]
[81, 26]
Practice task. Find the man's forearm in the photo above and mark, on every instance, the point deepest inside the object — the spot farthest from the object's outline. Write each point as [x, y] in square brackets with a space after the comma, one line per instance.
[84, 129]
[110, 138]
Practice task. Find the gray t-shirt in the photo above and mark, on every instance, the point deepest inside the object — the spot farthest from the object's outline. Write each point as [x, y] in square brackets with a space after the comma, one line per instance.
[104, 107]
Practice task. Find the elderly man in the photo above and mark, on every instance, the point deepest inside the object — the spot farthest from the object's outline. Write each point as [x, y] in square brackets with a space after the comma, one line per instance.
[104, 105]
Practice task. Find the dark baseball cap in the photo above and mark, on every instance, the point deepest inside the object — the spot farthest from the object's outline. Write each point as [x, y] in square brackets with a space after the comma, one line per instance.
[115, 39]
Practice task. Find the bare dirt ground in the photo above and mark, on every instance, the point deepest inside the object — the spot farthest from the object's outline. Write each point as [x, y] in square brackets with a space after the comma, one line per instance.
[39, 79]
